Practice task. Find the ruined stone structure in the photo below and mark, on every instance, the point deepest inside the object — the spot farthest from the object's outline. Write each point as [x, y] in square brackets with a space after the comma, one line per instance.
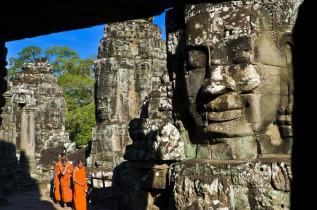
[82, 14]
[221, 130]
[35, 112]
[131, 59]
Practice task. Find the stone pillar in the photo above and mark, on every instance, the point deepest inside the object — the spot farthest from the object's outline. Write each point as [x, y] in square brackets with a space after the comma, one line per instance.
[28, 138]
[28, 132]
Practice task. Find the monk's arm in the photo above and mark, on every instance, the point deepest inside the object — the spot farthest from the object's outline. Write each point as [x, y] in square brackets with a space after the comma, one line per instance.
[74, 177]
[54, 174]
[70, 171]
[54, 177]
[64, 172]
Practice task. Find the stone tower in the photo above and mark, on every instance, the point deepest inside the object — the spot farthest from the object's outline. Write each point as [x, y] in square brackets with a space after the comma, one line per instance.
[131, 59]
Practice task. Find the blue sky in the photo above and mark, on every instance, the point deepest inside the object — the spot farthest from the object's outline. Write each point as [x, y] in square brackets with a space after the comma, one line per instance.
[84, 41]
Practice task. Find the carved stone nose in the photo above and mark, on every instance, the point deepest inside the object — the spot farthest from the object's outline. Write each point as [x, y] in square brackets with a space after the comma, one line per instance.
[219, 82]
[236, 79]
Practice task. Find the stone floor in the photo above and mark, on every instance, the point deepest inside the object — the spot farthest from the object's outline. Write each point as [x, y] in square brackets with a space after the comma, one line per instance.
[38, 200]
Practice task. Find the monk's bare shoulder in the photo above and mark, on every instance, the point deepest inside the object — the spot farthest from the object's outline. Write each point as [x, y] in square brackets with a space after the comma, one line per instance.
[57, 163]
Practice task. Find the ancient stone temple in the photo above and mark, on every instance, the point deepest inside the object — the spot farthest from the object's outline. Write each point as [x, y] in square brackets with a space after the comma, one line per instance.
[131, 59]
[35, 112]
[218, 130]
[230, 104]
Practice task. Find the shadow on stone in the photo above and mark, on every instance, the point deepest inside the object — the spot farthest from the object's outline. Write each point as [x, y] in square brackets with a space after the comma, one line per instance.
[18, 190]
[141, 185]
[303, 58]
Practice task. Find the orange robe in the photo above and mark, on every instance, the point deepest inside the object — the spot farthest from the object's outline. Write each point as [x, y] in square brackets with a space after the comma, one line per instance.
[79, 191]
[67, 192]
[57, 192]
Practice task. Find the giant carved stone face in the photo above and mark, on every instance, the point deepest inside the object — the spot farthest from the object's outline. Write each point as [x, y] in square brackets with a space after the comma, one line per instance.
[238, 75]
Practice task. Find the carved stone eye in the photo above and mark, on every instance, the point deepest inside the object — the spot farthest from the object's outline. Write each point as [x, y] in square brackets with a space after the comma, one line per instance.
[197, 59]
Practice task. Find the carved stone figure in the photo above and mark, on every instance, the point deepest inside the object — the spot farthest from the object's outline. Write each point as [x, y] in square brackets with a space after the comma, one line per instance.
[154, 135]
[232, 70]
[231, 64]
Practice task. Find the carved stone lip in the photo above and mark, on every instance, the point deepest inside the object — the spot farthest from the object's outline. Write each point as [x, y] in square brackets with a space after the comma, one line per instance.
[222, 116]
[229, 129]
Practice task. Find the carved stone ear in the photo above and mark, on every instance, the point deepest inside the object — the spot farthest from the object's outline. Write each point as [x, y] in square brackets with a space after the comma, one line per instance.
[285, 44]
[284, 120]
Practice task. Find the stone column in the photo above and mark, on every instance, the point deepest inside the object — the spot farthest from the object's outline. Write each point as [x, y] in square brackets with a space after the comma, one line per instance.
[28, 131]
[28, 136]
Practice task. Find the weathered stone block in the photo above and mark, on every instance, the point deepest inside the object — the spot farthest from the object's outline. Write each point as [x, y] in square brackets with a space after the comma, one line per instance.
[232, 149]
[258, 183]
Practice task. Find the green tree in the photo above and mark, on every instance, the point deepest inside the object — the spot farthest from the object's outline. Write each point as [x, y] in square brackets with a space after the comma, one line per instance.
[79, 123]
[27, 54]
[76, 76]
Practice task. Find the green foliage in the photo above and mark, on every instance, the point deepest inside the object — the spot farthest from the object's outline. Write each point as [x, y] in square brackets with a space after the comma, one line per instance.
[76, 76]
[27, 54]
[64, 59]
[79, 124]
[78, 90]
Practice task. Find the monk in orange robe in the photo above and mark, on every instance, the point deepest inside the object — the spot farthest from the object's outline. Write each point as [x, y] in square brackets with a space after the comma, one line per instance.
[80, 185]
[56, 179]
[66, 170]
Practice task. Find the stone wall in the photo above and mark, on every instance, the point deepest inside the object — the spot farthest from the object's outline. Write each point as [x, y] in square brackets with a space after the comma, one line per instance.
[7, 147]
[131, 59]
